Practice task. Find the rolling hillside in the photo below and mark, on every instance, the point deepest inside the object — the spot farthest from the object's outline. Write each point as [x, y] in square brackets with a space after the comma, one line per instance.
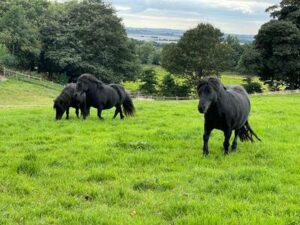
[16, 93]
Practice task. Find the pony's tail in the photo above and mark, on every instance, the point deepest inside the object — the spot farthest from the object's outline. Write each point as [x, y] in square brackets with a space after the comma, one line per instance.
[246, 133]
[128, 106]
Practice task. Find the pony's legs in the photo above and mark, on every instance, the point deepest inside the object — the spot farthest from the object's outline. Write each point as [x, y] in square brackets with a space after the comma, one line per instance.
[234, 143]
[116, 112]
[227, 135]
[206, 135]
[67, 113]
[99, 113]
[121, 113]
[84, 112]
[77, 112]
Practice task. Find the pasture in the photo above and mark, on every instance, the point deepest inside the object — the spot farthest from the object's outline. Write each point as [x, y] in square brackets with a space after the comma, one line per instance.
[147, 169]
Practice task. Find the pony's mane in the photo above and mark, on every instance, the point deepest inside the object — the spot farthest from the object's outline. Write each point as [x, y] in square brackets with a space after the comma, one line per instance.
[212, 81]
[66, 93]
[91, 78]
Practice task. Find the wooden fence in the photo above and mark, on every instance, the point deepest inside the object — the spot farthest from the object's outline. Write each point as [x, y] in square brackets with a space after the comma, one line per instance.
[30, 78]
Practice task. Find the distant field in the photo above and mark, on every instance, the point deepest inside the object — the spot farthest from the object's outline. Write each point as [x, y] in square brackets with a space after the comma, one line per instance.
[145, 170]
[226, 77]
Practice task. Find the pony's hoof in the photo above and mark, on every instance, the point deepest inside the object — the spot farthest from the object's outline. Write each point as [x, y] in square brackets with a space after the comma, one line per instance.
[205, 154]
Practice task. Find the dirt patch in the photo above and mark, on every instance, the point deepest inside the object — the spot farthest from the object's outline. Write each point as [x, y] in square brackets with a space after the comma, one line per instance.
[2, 78]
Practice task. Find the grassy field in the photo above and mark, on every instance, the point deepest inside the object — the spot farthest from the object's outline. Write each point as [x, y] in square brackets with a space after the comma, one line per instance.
[145, 170]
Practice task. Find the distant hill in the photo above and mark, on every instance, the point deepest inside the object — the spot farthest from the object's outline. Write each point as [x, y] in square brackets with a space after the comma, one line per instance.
[165, 36]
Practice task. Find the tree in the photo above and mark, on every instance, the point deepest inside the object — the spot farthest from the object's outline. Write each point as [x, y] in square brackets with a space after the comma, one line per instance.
[149, 81]
[235, 51]
[278, 43]
[286, 10]
[87, 37]
[20, 37]
[146, 52]
[168, 86]
[250, 60]
[200, 52]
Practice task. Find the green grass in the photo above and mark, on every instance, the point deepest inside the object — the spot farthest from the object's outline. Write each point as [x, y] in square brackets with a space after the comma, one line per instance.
[148, 169]
[14, 93]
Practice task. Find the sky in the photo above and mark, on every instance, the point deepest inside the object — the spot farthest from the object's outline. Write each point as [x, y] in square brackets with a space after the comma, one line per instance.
[230, 16]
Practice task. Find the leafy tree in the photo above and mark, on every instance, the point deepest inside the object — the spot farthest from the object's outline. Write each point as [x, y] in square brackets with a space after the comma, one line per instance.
[87, 37]
[170, 88]
[278, 43]
[235, 51]
[286, 10]
[20, 21]
[149, 81]
[157, 56]
[146, 52]
[250, 60]
[200, 52]
[20, 37]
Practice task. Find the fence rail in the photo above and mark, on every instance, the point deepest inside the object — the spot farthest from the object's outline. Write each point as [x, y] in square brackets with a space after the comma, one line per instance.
[30, 78]
[162, 98]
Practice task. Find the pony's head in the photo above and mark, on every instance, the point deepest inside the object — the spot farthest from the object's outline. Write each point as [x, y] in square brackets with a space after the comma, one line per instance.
[60, 108]
[86, 82]
[208, 89]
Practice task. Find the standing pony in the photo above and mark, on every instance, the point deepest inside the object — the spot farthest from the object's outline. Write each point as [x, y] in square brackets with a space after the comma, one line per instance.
[66, 100]
[225, 109]
[102, 96]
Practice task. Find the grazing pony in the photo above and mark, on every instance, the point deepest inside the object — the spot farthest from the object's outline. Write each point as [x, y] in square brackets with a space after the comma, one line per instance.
[102, 96]
[226, 109]
[66, 100]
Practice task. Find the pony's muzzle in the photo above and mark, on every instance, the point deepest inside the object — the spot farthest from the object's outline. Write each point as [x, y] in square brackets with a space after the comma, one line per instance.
[202, 108]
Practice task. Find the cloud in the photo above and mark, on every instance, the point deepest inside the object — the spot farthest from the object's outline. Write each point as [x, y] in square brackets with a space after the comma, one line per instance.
[244, 6]
[233, 16]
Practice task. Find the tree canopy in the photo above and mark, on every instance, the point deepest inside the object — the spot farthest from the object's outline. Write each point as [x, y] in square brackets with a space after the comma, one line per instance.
[200, 52]
[278, 45]
[68, 38]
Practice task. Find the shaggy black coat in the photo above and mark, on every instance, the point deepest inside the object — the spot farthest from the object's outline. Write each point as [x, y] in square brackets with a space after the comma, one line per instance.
[226, 109]
[68, 99]
[102, 96]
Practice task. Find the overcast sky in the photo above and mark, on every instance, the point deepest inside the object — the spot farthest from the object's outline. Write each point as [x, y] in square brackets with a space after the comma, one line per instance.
[231, 16]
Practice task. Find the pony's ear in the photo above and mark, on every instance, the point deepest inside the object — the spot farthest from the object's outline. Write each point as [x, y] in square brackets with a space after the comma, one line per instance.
[216, 82]
[200, 84]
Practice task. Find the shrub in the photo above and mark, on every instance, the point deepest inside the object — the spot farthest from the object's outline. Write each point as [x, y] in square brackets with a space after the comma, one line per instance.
[170, 88]
[251, 86]
[149, 81]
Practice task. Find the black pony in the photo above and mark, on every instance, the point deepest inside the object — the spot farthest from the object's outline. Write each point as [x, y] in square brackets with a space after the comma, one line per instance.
[68, 99]
[226, 109]
[102, 96]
